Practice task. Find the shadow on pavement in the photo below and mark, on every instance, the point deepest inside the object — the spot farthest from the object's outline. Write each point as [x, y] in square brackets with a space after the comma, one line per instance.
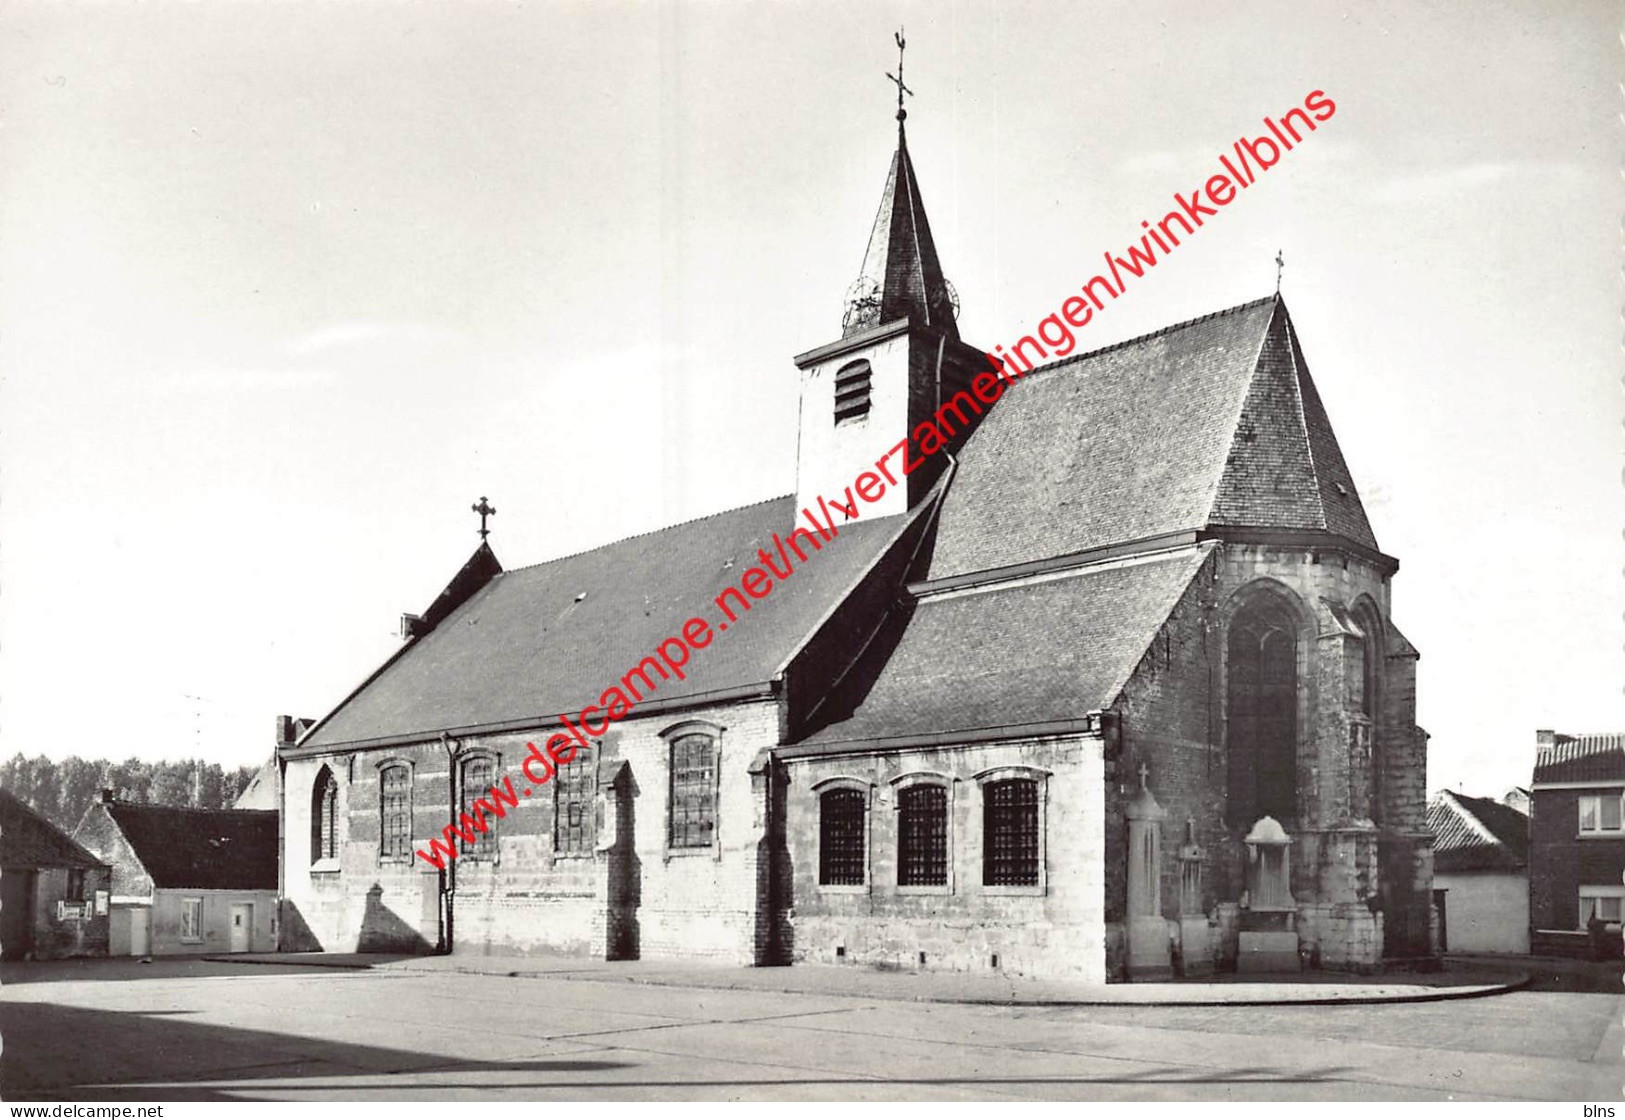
[54, 1052]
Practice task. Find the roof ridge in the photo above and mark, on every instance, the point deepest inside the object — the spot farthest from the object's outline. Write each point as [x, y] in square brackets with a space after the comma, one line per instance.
[1169, 329]
[646, 533]
[1471, 818]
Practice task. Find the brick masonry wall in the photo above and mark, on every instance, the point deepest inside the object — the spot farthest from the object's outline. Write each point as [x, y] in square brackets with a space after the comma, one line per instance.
[1056, 929]
[528, 899]
[1560, 862]
[73, 937]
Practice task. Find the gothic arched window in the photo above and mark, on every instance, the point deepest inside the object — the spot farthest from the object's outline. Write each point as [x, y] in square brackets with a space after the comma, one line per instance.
[324, 817]
[1262, 710]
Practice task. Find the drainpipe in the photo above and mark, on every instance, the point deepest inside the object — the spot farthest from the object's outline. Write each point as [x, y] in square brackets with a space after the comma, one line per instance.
[448, 870]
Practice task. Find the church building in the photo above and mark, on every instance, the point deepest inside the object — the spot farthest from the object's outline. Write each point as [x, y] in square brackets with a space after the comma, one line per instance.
[1108, 689]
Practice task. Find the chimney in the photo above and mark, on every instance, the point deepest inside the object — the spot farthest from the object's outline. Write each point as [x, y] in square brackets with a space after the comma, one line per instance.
[289, 728]
[1545, 741]
[107, 797]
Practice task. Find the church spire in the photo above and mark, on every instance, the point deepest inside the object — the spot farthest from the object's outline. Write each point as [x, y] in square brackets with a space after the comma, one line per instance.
[901, 276]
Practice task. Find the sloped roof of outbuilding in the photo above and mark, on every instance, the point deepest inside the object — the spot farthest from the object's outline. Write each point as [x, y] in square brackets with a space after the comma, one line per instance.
[1030, 654]
[539, 641]
[1213, 422]
[1477, 834]
[206, 849]
[28, 840]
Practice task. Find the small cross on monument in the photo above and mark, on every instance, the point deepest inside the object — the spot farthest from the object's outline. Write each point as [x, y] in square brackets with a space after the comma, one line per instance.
[902, 114]
[1280, 267]
[484, 509]
[1145, 773]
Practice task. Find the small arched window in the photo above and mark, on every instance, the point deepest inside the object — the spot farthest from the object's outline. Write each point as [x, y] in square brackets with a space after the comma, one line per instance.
[324, 817]
[693, 790]
[395, 810]
[852, 391]
[842, 850]
[1010, 833]
[476, 774]
[922, 835]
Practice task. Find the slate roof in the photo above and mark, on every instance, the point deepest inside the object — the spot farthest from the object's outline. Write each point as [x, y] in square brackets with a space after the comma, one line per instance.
[1210, 423]
[207, 849]
[1582, 758]
[901, 260]
[28, 840]
[1477, 834]
[537, 641]
[1020, 654]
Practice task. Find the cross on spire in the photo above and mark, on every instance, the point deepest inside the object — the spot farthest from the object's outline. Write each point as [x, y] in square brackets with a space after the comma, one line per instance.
[1280, 267]
[484, 509]
[902, 114]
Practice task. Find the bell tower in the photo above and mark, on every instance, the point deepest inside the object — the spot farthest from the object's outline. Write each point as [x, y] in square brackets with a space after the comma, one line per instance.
[898, 358]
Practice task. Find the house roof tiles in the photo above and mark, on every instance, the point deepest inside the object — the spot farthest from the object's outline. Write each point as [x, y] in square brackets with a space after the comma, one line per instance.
[1582, 758]
[28, 840]
[205, 849]
[1477, 834]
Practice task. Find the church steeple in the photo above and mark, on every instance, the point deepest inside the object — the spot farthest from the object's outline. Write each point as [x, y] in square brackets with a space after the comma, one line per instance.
[901, 276]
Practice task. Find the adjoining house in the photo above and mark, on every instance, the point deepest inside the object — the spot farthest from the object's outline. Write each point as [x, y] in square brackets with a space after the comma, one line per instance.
[186, 880]
[1481, 870]
[1577, 843]
[54, 894]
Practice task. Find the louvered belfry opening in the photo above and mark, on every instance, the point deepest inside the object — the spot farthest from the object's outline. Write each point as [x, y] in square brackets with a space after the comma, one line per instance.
[852, 391]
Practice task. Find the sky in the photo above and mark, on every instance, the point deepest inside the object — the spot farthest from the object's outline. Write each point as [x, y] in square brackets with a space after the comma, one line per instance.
[285, 288]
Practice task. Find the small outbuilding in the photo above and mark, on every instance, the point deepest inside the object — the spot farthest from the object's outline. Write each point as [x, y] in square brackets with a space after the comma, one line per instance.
[54, 895]
[186, 880]
[1481, 870]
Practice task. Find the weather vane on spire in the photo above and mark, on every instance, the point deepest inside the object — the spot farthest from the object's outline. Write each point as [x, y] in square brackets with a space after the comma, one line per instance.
[484, 509]
[1280, 267]
[902, 113]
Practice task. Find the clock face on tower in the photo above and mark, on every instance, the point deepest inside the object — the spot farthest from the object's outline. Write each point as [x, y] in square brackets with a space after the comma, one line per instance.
[862, 304]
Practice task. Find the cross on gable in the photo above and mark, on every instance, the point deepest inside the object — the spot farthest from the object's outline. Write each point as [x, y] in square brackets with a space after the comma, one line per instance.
[484, 509]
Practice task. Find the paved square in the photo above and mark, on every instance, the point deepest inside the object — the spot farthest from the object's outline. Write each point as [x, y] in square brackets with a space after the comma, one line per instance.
[199, 1030]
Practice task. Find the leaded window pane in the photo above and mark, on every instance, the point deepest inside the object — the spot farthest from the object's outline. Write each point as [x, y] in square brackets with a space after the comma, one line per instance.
[922, 836]
[395, 810]
[478, 774]
[841, 848]
[573, 831]
[1010, 833]
[693, 791]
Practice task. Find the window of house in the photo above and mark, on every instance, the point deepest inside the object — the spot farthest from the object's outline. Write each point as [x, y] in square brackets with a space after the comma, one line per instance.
[1010, 833]
[842, 852]
[477, 774]
[324, 817]
[191, 919]
[1607, 903]
[573, 825]
[693, 790]
[395, 810]
[922, 836]
[852, 392]
[1600, 812]
[76, 885]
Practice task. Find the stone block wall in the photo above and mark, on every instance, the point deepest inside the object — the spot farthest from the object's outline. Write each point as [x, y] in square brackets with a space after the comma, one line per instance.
[1053, 929]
